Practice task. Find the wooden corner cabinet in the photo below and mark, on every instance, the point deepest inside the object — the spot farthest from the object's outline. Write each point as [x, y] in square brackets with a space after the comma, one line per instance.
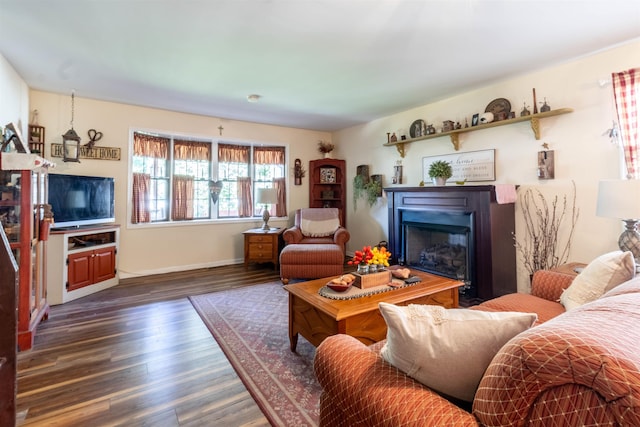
[82, 261]
[23, 201]
[327, 185]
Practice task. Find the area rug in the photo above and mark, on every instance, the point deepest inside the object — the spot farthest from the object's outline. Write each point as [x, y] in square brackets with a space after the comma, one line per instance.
[251, 326]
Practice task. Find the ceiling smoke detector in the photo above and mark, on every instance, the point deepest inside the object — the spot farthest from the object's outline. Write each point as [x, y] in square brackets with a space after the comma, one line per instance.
[253, 98]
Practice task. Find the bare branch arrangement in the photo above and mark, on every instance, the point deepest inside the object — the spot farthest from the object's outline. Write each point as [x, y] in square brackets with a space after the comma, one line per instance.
[541, 248]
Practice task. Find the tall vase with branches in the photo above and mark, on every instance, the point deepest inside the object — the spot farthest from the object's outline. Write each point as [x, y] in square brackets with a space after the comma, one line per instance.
[543, 247]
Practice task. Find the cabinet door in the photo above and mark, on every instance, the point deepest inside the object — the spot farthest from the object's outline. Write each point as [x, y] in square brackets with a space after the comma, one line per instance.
[80, 270]
[104, 264]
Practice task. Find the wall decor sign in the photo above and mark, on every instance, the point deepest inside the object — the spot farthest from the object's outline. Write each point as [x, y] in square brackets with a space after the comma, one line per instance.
[469, 166]
[327, 175]
[546, 167]
[96, 153]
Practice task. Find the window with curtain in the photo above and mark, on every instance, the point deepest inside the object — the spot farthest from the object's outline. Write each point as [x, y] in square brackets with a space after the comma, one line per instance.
[269, 167]
[170, 178]
[626, 90]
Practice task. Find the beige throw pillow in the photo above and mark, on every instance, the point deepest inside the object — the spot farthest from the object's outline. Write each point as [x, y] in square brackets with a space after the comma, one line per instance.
[448, 350]
[319, 228]
[599, 276]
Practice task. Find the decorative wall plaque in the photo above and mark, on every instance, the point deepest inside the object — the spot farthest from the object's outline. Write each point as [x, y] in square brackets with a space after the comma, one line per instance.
[96, 153]
[469, 166]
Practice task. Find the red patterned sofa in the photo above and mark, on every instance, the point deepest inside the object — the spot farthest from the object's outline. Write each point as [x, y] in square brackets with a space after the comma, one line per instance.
[575, 368]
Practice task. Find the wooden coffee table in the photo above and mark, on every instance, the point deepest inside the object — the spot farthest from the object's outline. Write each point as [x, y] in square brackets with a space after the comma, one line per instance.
[316, 317]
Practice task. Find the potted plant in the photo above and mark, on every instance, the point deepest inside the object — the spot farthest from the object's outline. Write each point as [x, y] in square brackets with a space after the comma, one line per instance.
[325, 148]
[367, 188]
[440, 171]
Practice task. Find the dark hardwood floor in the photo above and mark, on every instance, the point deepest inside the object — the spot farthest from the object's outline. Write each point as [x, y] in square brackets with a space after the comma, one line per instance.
[137, 354]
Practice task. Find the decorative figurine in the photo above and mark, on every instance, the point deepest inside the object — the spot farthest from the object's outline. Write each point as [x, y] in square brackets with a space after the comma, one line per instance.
[545, 107]
[525, 111]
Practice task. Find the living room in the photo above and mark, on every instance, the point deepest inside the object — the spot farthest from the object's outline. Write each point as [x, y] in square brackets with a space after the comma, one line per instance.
[584, 155]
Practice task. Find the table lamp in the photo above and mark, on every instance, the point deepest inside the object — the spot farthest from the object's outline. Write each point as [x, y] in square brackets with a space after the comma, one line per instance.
[620, 198]
[266, 196]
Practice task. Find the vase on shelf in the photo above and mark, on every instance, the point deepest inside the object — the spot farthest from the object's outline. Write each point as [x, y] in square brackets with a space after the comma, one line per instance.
[439, 181]
[327, 155]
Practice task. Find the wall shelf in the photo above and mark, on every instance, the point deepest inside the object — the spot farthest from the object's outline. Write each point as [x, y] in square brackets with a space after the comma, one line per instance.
[534, 119]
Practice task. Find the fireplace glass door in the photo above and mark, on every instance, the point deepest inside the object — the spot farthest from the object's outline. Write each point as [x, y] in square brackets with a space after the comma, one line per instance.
[441, 245]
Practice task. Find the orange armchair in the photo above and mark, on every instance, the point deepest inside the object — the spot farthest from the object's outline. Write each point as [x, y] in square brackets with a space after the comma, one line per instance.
[317, 226]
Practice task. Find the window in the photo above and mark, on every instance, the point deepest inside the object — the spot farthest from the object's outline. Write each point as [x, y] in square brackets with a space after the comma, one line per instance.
[171, 178]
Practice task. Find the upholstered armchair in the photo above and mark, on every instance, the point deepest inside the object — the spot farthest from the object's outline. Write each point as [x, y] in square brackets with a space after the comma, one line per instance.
[317, 226]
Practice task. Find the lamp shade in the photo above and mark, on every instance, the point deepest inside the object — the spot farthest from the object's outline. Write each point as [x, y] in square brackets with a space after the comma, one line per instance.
[619, 198]
[267, 196]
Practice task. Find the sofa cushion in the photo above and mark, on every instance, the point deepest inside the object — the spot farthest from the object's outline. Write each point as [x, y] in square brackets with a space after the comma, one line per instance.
[629, 287]
[432, 344]
[599, 276]
[524, 303]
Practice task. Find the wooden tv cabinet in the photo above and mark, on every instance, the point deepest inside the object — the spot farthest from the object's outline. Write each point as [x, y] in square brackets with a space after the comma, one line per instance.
[82, 261]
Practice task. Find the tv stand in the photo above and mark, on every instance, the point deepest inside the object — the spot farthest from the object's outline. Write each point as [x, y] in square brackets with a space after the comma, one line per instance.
[82, 261]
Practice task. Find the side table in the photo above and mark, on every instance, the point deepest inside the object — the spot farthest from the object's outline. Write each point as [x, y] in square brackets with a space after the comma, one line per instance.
[262, 246]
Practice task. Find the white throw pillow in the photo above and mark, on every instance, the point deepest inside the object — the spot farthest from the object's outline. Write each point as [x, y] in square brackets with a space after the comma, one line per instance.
[319, 228]
[448, 350]
[599, 276]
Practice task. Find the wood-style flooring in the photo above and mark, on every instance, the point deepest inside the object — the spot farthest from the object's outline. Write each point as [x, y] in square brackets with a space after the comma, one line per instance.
[137, 355]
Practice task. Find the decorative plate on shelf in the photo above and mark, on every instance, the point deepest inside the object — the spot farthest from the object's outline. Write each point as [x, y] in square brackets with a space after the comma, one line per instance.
[500, 108]
[418, 129]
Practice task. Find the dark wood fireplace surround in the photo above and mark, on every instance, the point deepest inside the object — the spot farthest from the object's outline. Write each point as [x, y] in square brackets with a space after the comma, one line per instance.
[494, 225]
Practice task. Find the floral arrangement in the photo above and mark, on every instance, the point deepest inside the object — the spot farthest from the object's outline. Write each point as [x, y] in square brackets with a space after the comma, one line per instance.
[325, 147]
[369, 255]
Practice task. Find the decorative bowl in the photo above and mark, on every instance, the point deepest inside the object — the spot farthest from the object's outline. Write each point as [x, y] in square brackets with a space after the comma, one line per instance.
[339, 288]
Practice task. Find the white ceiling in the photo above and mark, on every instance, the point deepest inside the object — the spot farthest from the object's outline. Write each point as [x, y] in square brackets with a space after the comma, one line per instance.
[317, 64]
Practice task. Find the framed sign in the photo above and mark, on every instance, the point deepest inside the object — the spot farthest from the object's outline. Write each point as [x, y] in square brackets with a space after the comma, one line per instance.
[327, 175]
[469, 166]
[98, 153]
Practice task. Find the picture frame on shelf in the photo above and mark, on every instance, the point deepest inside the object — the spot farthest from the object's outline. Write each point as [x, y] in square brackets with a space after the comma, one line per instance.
[475, 119]
[327, 175]
[469, 166]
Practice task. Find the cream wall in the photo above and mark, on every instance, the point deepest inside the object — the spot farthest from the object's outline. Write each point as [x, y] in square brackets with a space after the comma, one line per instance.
[157, 249]
[582, 153]
[14, 96]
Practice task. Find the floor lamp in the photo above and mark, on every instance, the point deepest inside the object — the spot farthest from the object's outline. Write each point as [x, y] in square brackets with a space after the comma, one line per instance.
[620, 198]
[266, 197]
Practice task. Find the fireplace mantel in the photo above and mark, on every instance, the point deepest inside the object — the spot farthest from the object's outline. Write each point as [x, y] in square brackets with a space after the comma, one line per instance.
[493, 228]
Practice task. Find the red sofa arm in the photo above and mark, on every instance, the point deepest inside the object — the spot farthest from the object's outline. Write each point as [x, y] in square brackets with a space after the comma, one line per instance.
[341, 236]
[549, 284]
[292, 235]
[361, 389]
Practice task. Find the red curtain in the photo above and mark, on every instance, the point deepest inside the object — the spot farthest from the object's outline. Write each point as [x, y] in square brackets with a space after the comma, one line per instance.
[140, 199]
[626, 90]
[182, 201]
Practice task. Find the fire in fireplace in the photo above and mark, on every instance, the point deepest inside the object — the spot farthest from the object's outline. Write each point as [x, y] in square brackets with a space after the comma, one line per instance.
[440, 243]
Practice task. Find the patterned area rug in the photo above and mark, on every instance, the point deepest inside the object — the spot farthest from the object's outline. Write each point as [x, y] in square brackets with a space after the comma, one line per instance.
[251, 326]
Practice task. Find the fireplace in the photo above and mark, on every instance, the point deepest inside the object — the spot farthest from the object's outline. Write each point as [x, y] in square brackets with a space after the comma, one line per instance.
[458, 232]
[441, 243]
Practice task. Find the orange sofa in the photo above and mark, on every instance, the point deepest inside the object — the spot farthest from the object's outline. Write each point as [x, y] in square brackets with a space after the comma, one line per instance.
[575, 368]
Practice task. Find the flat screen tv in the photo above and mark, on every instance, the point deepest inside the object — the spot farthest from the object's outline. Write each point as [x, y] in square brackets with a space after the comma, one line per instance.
[81, 200]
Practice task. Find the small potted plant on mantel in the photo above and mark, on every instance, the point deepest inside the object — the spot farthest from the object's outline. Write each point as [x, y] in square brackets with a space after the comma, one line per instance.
[440, 171]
